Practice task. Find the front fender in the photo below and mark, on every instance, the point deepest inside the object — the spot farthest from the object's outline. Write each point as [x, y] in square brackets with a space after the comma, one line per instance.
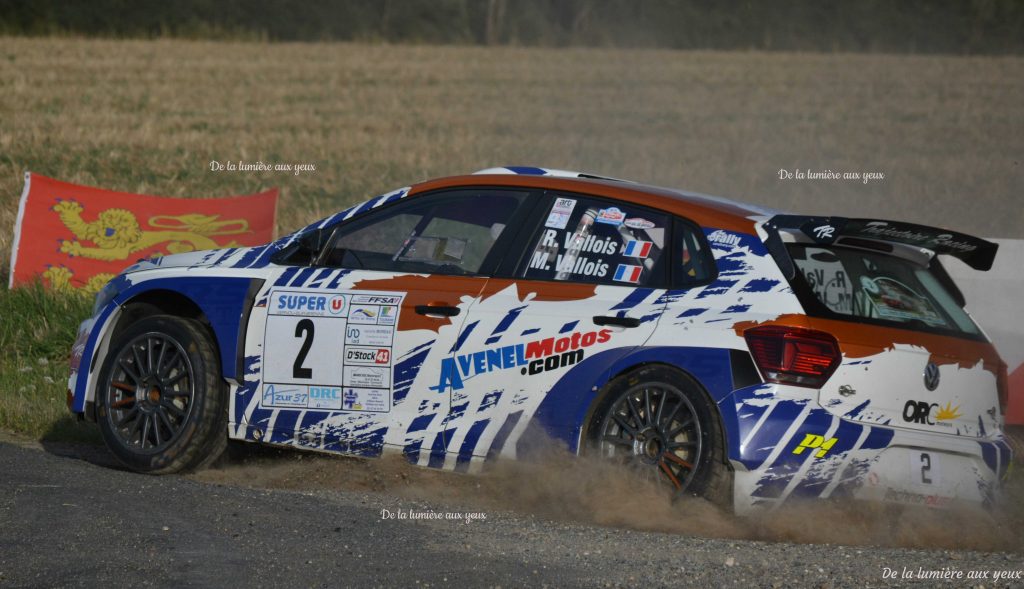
[225, 302]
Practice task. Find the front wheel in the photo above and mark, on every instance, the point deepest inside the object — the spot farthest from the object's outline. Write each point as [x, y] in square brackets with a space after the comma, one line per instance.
[659, 422]
[161, 400]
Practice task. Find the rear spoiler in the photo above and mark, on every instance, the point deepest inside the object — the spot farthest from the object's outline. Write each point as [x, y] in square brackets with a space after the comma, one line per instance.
[973, 251]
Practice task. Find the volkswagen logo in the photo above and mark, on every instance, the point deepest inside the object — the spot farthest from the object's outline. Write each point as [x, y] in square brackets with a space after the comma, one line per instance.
[931, 376]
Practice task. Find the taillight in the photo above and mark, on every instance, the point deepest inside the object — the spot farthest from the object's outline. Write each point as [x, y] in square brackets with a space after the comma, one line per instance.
[793, 355]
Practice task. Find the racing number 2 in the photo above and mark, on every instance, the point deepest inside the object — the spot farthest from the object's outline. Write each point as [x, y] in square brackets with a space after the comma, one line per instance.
[305, 329]
[926, 468]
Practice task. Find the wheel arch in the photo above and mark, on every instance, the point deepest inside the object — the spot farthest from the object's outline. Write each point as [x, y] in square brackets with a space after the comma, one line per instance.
[717, 371]
[222, 304]
[620, 371]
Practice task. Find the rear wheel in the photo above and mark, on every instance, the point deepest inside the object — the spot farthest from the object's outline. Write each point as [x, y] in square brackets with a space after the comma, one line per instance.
[660, 423]
[161, 400]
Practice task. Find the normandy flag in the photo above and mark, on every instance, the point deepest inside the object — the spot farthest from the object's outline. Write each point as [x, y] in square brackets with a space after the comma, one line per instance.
[77, 237]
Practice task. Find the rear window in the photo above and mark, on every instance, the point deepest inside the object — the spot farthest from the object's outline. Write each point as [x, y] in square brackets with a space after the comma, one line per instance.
[844, 283]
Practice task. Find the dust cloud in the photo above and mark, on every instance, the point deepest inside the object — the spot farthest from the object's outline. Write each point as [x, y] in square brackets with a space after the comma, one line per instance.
[554, 484]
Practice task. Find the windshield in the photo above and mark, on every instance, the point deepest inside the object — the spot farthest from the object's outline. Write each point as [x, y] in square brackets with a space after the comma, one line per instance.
[845, 283]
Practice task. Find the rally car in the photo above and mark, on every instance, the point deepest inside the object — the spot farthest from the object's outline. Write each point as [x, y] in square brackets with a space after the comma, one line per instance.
[738, 353]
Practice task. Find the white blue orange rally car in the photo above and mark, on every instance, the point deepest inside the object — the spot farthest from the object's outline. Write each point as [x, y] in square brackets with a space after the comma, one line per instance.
[741, 354]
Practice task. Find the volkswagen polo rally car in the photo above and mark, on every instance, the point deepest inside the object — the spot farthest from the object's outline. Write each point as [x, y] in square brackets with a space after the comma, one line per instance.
[741, 354]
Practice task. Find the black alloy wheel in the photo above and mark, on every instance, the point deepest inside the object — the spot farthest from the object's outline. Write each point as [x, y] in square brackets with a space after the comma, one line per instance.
[161, 402]
[150, 393]
[659, 423]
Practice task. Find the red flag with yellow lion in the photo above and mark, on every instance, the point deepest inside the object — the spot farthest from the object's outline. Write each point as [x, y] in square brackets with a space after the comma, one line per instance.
[78, 237]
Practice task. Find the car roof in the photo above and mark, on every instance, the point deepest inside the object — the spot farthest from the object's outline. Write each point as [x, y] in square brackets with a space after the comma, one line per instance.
[705, 210]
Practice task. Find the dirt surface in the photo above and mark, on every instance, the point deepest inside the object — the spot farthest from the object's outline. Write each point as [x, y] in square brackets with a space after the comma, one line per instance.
[70, 517]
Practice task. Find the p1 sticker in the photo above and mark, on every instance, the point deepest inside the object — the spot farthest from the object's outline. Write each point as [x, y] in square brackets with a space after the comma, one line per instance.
[627, 273]
[638, 223]
[560, 213]
[637, 249]
[611, 216]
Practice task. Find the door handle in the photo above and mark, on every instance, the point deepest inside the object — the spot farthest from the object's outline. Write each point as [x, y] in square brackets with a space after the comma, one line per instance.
[619, 321]
[437, 309]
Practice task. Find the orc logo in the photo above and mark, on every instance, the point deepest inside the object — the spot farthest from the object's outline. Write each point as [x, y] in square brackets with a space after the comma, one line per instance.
[918, 412]
[931, 376]
[930, 413]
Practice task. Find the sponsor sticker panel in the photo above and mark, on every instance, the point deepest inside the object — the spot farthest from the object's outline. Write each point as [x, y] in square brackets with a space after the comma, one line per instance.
[329, 351]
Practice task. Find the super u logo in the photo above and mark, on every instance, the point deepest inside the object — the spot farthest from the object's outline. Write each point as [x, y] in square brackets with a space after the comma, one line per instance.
[336, 305]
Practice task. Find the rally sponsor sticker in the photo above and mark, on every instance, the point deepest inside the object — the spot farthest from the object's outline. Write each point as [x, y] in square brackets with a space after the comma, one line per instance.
[560, 213]
[637, 249]
[611, 216]
[376, 299]
[367, 356]
[367, 376]
[366, 399]
[307, 304]
[364, 314]
[638, 223]
[720, 237]
[387, 316]
[285, 395]
[628, 273]
[321, 397]
[369, 335]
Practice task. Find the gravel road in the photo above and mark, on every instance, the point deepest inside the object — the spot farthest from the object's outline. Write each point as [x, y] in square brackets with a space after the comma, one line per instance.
[69, 517]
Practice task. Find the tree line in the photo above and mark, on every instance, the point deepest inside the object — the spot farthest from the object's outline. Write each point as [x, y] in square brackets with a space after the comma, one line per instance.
[890, 26]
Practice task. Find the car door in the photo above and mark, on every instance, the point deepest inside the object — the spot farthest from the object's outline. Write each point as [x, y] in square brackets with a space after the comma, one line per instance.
[346, 345]
[582, 287]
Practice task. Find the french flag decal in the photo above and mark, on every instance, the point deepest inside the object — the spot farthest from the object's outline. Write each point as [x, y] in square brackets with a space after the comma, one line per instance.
[637, 249]
[627, 273]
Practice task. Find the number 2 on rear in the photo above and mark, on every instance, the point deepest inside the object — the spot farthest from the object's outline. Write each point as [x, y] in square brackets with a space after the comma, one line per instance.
[926, 468]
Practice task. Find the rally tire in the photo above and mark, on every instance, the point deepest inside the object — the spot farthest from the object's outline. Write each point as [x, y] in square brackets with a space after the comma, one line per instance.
[690, 457]
[161, 401]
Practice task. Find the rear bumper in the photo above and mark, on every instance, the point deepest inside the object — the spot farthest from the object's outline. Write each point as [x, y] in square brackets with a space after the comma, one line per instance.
[914, 475]
[784, 446]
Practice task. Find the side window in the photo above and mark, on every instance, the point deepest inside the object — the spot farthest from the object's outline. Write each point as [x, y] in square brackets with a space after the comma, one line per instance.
[444, 233]
[692, 260]
[598, 241]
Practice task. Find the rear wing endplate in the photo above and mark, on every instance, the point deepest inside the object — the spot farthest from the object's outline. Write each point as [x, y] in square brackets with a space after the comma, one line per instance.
[975, 252]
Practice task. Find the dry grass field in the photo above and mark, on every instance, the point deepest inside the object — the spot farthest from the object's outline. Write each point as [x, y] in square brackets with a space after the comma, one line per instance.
[148, 116]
